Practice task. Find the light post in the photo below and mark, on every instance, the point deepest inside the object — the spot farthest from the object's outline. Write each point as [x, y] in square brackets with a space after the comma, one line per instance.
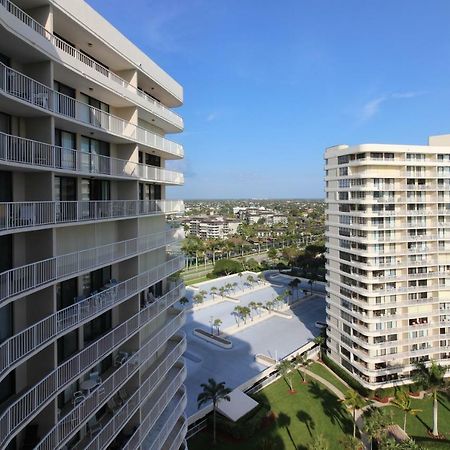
[211, 322]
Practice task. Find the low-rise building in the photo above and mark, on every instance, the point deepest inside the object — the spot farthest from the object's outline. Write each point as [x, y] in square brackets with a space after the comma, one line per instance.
[208, 227]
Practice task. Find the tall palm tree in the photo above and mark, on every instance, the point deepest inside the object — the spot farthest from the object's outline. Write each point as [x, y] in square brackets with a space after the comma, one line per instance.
[235, 285]
[198, 299]
[375, 423]
[353, 401]
[221, 291]
[432, 379]
[403, 402]
[213, 291]
[320, 340]
[216, 324]
[259, 306]
[303, 362]
[285, 368]
[213, 392]
[253, 306]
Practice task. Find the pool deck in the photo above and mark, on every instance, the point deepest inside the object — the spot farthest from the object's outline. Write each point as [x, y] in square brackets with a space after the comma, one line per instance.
[275, 337]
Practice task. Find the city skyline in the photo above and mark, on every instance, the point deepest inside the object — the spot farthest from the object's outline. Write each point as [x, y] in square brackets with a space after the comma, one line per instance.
[338, 73]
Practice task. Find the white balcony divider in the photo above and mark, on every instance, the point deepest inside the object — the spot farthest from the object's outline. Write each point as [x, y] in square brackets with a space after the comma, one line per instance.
[70, 423]
[40, 274]
[155, 107]
[33, 338]
[150, 410]
[175, 412]
[17, 215]
[33, 400]
[20, 151]
[37, 94]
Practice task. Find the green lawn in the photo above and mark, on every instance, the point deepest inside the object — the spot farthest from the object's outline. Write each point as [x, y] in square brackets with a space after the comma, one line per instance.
[311, 410]
[323, 372]
[195, 280]
[416, 427]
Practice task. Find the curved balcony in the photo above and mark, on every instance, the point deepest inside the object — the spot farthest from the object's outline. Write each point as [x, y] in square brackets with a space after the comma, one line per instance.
[32, 339]
[31, 277]
[18, 152]
[30, 91]
[79, 415]
[36, 398]
[160, 399]
[76, 59]
[16, 216]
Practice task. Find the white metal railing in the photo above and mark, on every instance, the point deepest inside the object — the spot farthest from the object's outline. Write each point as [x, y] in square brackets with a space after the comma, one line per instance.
[33, 338]
[180, 437]
[35, 398]
[17, 150]
[15, 215]
[156, 107]
[31, 91]
[80, 414]
[39, 274]
[172, 416]
[164, 394]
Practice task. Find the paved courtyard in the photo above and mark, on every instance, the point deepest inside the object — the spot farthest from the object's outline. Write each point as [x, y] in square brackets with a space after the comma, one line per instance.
[275, 336]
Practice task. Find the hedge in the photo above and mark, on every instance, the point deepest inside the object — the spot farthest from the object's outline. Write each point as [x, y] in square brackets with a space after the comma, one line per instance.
[341, 373]
[246, 426]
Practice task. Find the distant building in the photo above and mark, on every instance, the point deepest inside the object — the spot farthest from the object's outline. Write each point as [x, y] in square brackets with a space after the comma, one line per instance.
[209, 227]
[254, 215]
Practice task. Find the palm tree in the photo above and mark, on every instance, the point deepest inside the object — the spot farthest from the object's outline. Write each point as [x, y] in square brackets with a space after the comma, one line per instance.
[235, 285]
[311, 282]
[285, 368]
[320, 341]
[261, 277]
[353, 401]
[431, 378]
[221, 291]
[253, 307]
[228, 287]
[216, 324]
[237, 311]
[213, 291]
[245, 312]
[375, 423]
[294, 284]
[259, 306]
[269, 305]
[303, 362]
[213, 392]
[203, 293]
[250, 280]
[350, 443]
[198, 299]
[184, 301]
[318, 443]
[403, 402]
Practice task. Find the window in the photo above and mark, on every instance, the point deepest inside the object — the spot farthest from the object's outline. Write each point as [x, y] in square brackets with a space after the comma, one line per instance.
[65, 158]
[64, 104]
[99, 152]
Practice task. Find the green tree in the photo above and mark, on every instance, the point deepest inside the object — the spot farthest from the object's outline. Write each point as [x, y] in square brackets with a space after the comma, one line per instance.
[184, 301]
[216, 324]
[375, 423]
[213, 392]
[213, 291]
[350, 443]
[226, 267]
[403, 402]
[198, 299]
[431, 379]
[253, 306]
[285, 368]
[353, 401]
[320, 341]
[272, 253]
[303, 363]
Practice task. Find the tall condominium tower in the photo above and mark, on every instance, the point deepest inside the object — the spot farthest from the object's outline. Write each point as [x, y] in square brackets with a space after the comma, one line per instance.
[90, 341]
[388, 258]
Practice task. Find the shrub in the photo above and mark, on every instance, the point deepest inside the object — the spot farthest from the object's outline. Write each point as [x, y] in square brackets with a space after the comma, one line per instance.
[341, 373]
[227, 267]
[211, 276]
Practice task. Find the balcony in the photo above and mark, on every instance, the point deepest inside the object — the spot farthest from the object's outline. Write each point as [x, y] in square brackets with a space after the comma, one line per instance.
[36, 94]
[32, 401]
[151, 410]
[79, 415]
[80, 62]
[29, 278]
[32, 339]
[18, 152]
[16, 216]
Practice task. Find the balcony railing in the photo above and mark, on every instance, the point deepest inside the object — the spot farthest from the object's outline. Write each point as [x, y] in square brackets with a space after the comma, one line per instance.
[33, 400]
[19, 215]
[16, 150]
[163, 394]
[33, 338]
[40, 274]
[180, 437]
[68, 425]
[155, 107]
[155, 438]
[37, 94]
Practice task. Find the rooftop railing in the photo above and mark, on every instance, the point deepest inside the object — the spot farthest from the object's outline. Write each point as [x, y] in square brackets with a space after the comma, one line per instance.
[32, 339]
[35, 398]
[26, 278]
[19, 215]
[37, 94]
[16, 150]
[154, 106]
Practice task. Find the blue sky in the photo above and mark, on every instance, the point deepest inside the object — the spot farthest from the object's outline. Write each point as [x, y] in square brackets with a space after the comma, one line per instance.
[268, 85]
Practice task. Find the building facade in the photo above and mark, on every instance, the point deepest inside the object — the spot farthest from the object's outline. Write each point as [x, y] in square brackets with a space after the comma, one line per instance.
[90, 341]
[210, 227]
[388, 258]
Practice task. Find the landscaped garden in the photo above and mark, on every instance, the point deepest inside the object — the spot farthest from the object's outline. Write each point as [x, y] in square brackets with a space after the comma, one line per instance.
[285, 420]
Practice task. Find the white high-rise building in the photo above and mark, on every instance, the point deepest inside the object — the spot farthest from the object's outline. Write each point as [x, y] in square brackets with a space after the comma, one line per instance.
[90, 341]
[388, 258]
